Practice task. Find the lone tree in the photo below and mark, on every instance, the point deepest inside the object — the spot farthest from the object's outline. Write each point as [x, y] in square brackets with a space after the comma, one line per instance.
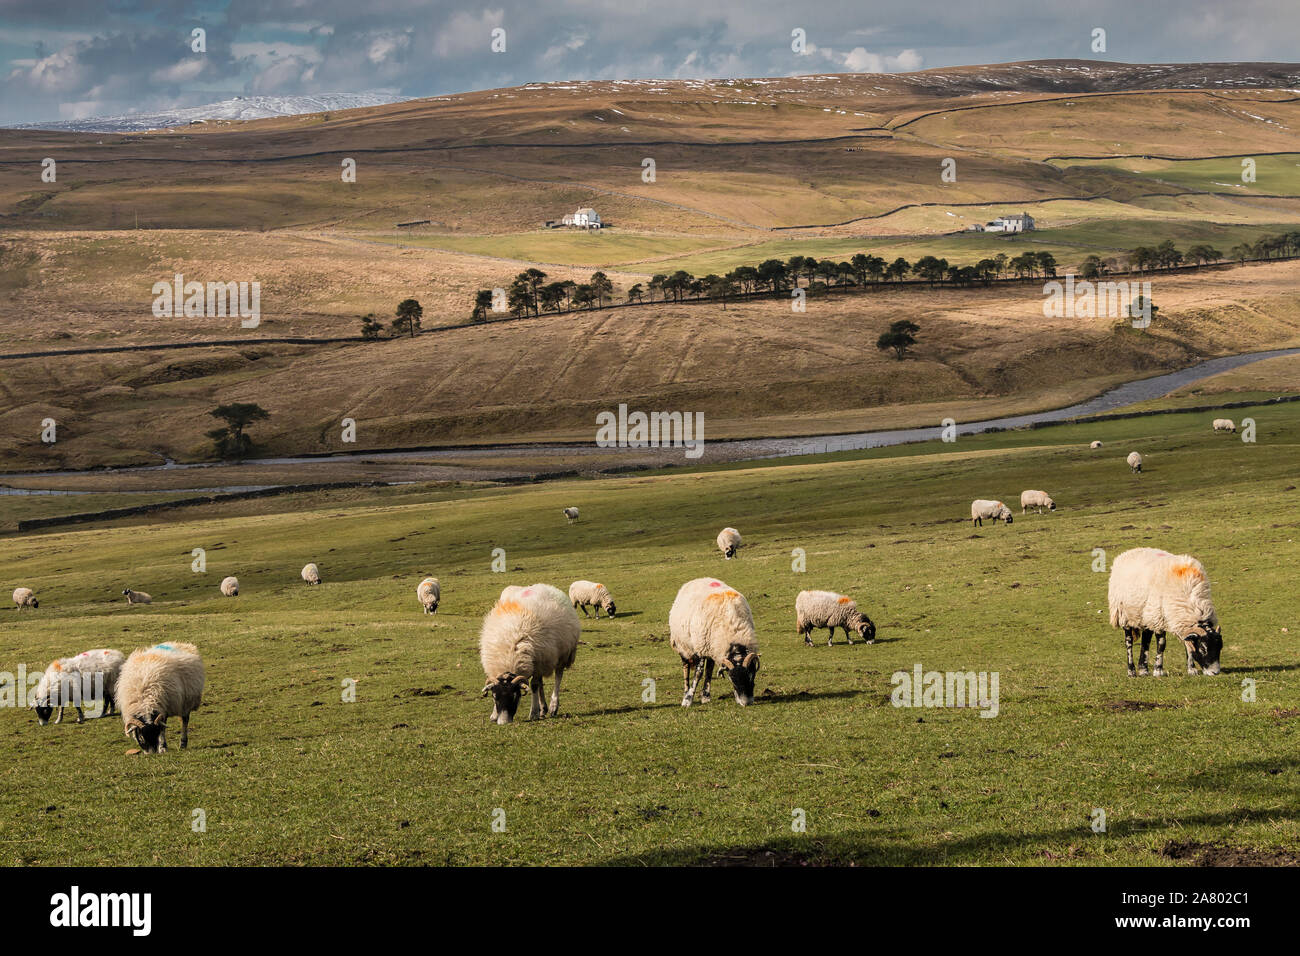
[900, 337]
[370, 326]
[409, 313]
[230, 441]
[482, 305]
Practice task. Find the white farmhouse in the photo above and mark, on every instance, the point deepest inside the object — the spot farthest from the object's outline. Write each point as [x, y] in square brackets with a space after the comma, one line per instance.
[586, 218]
[1016, 222]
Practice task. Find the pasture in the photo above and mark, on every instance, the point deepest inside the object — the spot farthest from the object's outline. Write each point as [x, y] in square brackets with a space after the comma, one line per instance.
[286, 772]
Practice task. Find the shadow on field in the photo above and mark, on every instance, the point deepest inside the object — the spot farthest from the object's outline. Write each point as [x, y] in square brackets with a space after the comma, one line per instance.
[888, 847]
[1265, 668]
[769, 696]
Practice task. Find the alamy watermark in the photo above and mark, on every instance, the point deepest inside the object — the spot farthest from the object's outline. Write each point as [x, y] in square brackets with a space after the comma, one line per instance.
[1092, 300]
[637, 429]
[923, 688]
[192, 300]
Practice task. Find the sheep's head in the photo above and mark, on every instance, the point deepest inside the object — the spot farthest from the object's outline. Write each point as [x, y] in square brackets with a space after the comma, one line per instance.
[126, 592]
[609, 606]
[1204, 645]
[866, 630]
[506, 691]
[1051, 505]
[730, 551]
[1007, 515]
[43, 710]
[147, 731]
[741, 665]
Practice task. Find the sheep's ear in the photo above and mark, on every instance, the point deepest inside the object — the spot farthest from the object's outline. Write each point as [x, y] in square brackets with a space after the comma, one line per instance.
[153, 718]
[487, 689]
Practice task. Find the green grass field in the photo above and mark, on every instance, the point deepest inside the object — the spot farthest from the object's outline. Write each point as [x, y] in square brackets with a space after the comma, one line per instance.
[411, 773]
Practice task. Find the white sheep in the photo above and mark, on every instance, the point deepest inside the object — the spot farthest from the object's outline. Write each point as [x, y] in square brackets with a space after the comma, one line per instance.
[67, 682]
[729, 542]
[571, 514]
[164, 681]
[1135, 462]
[531, 633]
[230, 586]
[136, 597]
[1155, 592]
[1036, 499]
[429, 594]
[982, 508]
[1095, 445]
[25, 597]
[1224, 425]
[711, 623]
[585, 594]
[830, 610]
[311, 574]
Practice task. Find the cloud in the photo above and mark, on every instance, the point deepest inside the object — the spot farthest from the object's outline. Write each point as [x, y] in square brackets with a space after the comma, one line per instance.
[858, 60]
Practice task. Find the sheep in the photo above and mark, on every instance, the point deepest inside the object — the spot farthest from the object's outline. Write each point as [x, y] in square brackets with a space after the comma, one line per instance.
[831, 610]
[1155, 592]
[982, 508]
[711, 623]
[585, 594]
[163, 681]
[1224, 425]
[136, 597]
[1135, 462]
[311, 574]
[571, 514]
[1095, 445]
[91, 675]
[429, 593]
[230, 586]
[25, 597]
[729, 542]
[531, 633]
[1036, 499]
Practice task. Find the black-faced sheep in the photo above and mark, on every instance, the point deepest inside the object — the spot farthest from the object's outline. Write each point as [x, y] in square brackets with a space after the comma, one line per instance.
[585, 594]
[530, 634]
[311, 574]
[814, 609]
[709, 624]
[1135, 462]
[571, 514]
[1155, 592]
[164, 681]
[25, 597]
[982, 508]
[136, 597]
[230, 586]
[729, 542]
[1224, 425]
[70, 681]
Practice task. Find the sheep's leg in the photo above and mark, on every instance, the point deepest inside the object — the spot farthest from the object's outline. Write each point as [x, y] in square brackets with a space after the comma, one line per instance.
[1160, 655]
[830, 636]
[806, 635]
[555, 693]
[162, 739]
[185, 731]
[538, 710]
[694, 681]
[708, 679]
[81, 718]
[1128, 646]
[59, 719]
[1191, 660]
[1142, 657]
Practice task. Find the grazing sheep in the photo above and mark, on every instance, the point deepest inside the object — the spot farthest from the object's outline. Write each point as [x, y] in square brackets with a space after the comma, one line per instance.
[729, 542]
[828, 609]
[1135, 462]
[1095, 445]
[311, 574]
[67, 682]
[531, 633]
[164, 681]
[1224, 425]
[136, 597]
[25, 597]
[709, 624]
[1036, 499]
[571, 514]
[982, 508]
[430, 593]
[1155, 592]
[230, 586]
[585, 594]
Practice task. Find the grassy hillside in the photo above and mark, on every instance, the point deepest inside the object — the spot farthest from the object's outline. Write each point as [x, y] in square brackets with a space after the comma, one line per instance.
[286, 772]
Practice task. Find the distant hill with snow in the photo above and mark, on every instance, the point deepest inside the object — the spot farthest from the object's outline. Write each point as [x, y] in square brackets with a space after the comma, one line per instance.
[238, 108]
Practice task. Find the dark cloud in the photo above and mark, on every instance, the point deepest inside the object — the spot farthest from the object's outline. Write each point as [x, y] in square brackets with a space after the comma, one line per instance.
[78, 57]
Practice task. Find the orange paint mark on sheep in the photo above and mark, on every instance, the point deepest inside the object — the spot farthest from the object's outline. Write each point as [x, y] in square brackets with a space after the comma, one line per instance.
[151, 657]
[1188, 571]
[56, 666]
[843, 599]
[508, 607]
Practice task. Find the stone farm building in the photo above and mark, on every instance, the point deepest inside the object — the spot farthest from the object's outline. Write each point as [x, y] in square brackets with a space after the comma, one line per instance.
[584, 218]
[1016, 222]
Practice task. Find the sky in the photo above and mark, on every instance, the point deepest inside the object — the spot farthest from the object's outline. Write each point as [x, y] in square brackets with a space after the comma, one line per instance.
[69, 59]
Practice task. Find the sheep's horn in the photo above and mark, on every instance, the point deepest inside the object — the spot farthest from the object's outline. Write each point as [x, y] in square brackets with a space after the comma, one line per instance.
[487, 689]
[725, 664]
[750, 658]
[522, 681]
